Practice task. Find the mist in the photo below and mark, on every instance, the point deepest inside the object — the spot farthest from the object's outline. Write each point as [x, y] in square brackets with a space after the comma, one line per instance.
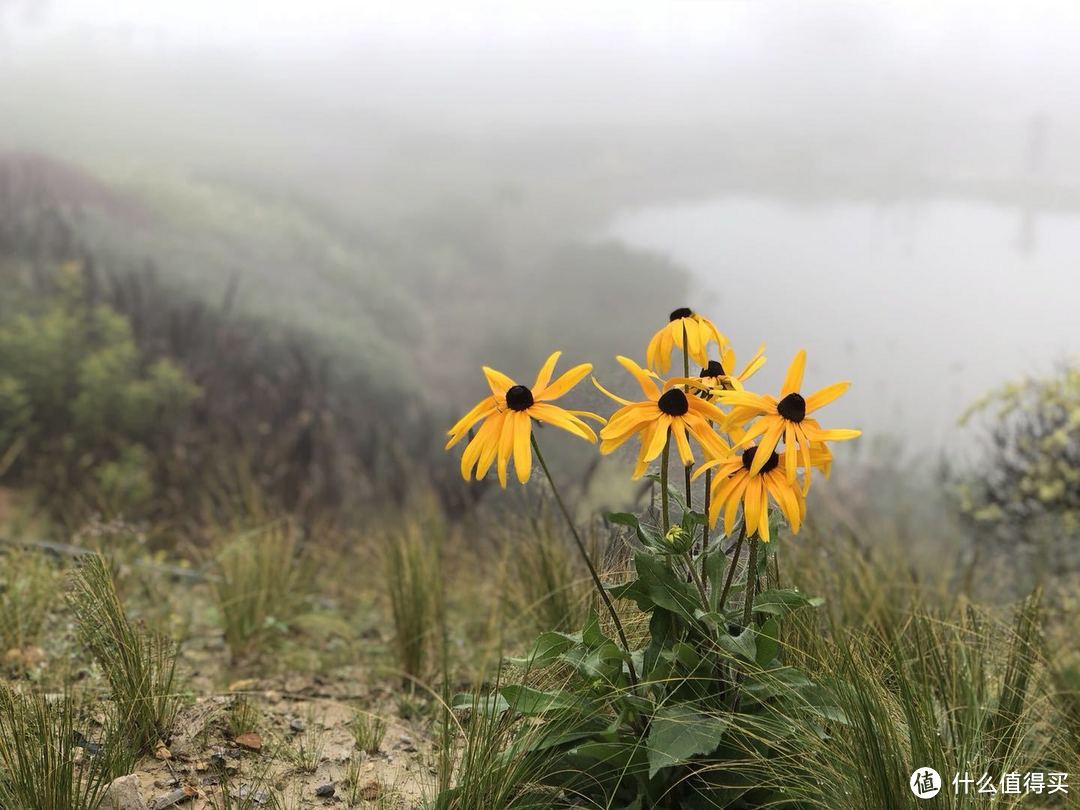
[892, 179]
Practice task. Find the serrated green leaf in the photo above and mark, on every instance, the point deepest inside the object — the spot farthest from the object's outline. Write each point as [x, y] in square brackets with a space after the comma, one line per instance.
[678, 734]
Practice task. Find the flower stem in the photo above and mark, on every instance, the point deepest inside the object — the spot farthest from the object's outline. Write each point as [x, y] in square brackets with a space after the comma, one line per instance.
[751, 582]
[663, 485]
[731, 568]
[588, 562]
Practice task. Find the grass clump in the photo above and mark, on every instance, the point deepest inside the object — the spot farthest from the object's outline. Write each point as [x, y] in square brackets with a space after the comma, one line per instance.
[45, 763]
[413, 575]
[368, 731]
[140, 665]
[27, 588]
[262, 585]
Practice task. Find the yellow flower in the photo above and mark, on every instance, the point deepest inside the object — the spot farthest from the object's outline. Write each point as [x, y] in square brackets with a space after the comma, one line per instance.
[699, 333]
[719, 375]
[507, 420]
[786, 419]
[663, 413]
[735, 482]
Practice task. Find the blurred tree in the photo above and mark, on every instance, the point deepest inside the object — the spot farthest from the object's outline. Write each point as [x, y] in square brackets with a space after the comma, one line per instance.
[1026, 486]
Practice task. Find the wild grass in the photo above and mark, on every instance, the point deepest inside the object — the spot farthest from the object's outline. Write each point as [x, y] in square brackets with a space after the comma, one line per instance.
[27, 590]
[413, 582]
[43, 765]
[547, 584]
[139, 665]
[262, 585]
[368, 731]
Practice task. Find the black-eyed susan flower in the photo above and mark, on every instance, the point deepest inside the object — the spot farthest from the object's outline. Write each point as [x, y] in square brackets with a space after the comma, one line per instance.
[664, 412]
[506, 417]
[699, 332]
[736, 483]
[786, 419]
[719, 375]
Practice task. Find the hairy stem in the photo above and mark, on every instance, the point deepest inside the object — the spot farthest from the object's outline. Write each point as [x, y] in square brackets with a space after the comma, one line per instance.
[588, 562]
[664, 486]
[731, 568]
[751, 582]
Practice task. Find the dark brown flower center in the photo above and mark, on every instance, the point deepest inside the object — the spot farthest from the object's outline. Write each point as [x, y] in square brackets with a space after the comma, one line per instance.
[673, 402]
[792, 407]
[681, 312]
[748, 460]
[519, 398]
[714, 369]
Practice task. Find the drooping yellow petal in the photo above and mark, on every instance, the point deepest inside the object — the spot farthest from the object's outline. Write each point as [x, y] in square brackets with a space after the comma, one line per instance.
[484, 407]
[733, 501]
[543, 377]
[790, 461]
[678, 430]
[763, 520]
[767, 444]
[610, 395]
[752, 505]
[522, 450]
[659, 437]
[564, 383]
[793, 380]
[554, 415]
[485, 440]
[499, 383]
[648, 386]
[629, 419]
[760, 403]
[506, 447]
[491, 445]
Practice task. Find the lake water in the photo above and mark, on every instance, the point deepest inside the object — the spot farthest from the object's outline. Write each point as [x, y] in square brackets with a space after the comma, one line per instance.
[925, 307]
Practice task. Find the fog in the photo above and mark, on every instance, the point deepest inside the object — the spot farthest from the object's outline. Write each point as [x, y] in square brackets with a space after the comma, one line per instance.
[891, 185]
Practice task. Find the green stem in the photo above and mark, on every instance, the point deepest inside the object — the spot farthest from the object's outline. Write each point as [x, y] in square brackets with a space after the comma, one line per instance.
[698, 581]
[588, 562]
[751, 582]
[731, 568]
[664, 486]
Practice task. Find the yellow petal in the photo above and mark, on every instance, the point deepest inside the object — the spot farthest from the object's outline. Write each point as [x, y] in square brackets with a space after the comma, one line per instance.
[826, 395]
[648, 387]
[678, 430]
[483, 408]
[522, 450]
[499, 382]
[564, 383]
[554, 415]
[506, 447]
[793, 380]
[766, 446]
[544, 376]
[610, 395]
[659, 437]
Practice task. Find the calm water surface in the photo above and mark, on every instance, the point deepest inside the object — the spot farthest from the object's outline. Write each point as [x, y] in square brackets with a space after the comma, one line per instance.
[925, 307]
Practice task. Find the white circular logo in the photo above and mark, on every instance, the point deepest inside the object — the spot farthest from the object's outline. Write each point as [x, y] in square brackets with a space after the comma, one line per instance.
[925, 783]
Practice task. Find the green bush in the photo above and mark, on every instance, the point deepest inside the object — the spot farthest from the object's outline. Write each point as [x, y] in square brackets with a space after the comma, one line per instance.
[80, 405]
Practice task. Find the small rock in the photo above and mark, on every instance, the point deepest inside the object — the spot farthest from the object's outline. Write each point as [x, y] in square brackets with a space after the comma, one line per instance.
[161, 752]
[181, 794]
[249, 740]
[123, 794]
[326, 791]
[371, 791]
[297, 725]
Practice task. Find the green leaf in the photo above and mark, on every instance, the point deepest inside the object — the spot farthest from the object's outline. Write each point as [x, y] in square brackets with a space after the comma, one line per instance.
[529, 701]
[715, 564]
[678, 734]
[780, 602]
[741, 645]
[768, 641]
[547, 648]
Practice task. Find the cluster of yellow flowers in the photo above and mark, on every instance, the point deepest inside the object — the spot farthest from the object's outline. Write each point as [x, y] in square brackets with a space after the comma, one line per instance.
[758, 448]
